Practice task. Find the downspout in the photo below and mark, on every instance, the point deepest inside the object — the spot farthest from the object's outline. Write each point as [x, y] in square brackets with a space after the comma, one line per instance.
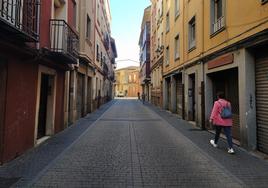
[94, 51]
[38, 23]
[203, 106]
[183, 60]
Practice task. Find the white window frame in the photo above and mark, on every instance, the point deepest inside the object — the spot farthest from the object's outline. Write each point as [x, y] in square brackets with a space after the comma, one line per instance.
[217, 22]
[177, 47]
[167, 55]
[177, 8]
[167, 22]
[192, 33]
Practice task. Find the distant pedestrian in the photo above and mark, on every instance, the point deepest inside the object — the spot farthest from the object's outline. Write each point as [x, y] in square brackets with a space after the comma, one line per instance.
[139, 95]
[221, 118]
[143, 97]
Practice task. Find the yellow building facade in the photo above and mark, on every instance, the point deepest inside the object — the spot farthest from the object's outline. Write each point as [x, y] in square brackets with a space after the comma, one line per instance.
[211, 46]
[127, 82]
[157, 51]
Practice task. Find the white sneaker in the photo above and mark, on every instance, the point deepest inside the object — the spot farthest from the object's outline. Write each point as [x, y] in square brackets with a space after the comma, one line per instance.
[231, 150]
[212, 142]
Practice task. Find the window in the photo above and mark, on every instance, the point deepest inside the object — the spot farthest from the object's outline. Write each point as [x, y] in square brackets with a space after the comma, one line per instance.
[88, 27]
[177, 8]
[217, 15]
[191, 33]
[101, 58]
[167, 22]
[264, 1]
[162, 7]
[97, 53]
[167, 55]
[177, 47]
[162, 39]
[96, 87]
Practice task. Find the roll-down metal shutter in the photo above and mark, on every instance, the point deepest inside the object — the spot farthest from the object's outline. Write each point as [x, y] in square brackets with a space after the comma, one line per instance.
[262, 104]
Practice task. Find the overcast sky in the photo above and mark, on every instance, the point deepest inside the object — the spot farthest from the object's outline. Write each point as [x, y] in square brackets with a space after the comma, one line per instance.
[126, 25]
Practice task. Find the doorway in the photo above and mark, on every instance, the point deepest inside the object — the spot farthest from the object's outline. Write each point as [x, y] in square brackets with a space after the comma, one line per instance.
[228, 85]
[191, 97]
[89, 94]
[3, 82]
[80, 95]
[46, 105]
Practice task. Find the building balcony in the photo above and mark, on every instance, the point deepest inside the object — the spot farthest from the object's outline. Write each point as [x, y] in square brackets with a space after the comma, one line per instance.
[64, 42]
[105, 69]
[19, 20]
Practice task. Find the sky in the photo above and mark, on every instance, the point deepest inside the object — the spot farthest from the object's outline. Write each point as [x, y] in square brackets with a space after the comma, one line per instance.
[126, 26]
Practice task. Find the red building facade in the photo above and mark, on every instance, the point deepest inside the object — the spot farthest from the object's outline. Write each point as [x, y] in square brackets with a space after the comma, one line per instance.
[35, 54]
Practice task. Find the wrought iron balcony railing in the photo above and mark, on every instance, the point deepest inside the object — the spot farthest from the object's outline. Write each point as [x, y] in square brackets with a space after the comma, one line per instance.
[105, 69]
[20, 18]
[64, 41]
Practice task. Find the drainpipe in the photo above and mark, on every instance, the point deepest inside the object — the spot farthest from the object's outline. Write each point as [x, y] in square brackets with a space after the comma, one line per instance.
[38, 23]
[94, 51]
[203, 100]
[183, 60]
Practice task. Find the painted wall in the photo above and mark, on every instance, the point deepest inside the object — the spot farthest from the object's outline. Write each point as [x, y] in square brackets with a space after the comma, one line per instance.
[45, 16]
[71, 21]
[87, 46]
[20, 108]
[175, 29]
[239, 24]
[59, 112]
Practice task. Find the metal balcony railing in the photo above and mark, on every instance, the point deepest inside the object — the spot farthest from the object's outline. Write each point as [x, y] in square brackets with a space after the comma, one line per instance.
[19, 17]
[219, 24]
[63, 40]
[105, 69]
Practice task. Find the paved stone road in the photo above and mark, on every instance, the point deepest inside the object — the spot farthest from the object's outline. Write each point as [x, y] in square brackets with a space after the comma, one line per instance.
[131, 146]
[128, 144]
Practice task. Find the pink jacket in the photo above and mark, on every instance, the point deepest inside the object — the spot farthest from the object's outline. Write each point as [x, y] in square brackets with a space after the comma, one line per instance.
[216, 113]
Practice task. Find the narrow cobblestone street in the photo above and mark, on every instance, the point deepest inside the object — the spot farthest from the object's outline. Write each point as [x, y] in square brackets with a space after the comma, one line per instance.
[136, 145]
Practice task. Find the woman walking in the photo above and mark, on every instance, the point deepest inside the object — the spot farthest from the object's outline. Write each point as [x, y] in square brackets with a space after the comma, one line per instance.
[221, 118]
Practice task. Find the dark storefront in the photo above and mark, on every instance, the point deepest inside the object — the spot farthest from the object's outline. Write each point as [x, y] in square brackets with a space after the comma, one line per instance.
[227, 81]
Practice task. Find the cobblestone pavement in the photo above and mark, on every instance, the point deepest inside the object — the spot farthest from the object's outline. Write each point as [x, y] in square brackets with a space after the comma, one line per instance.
[23, 169]
[131, 146]
[136, 145]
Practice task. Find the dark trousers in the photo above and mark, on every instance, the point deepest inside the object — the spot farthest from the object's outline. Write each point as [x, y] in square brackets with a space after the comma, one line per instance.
[228, 134]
